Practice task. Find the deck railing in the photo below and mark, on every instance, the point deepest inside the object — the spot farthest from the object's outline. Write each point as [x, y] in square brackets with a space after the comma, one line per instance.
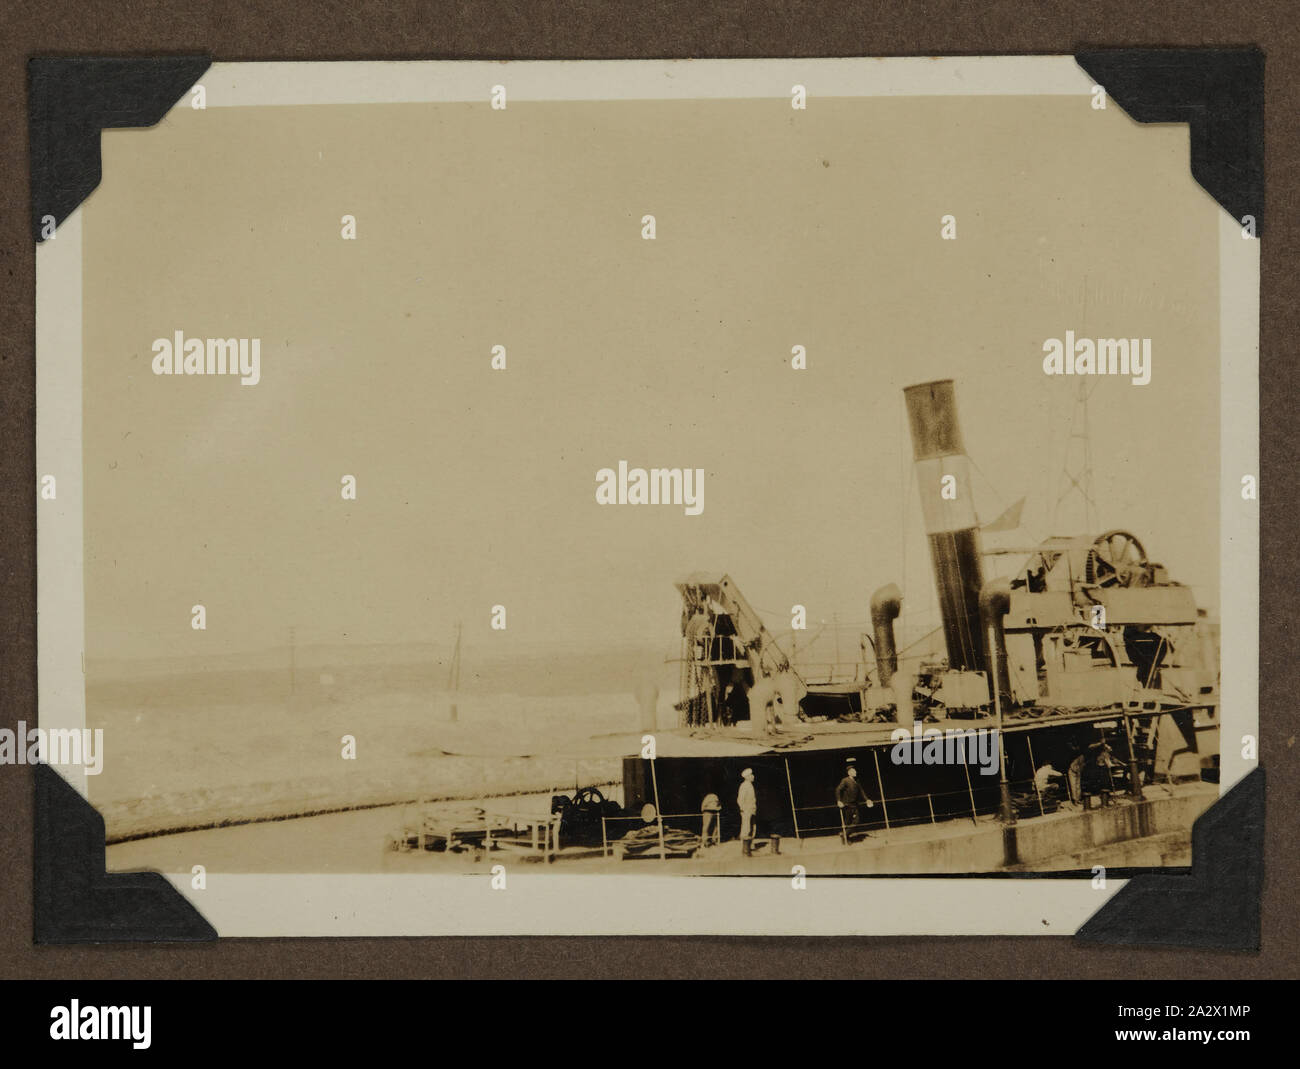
[825, 819]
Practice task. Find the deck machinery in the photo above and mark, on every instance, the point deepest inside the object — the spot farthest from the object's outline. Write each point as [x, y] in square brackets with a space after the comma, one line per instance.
[733, 672]
[1085, 623]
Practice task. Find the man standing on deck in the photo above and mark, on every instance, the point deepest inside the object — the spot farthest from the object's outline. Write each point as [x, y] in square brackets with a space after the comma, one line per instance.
[1045, 782]
[696, 630]
[710, 820]
[847, 796]
[748, 803]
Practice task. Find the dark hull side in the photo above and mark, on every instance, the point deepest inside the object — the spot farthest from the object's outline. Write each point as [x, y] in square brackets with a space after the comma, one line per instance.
[800, 785]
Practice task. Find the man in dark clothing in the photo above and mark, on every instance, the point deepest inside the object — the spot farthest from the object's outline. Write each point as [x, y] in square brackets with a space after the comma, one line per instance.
[847, 796]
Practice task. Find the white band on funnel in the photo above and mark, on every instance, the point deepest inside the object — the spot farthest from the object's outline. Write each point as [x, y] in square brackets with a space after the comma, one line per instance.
[940, 513]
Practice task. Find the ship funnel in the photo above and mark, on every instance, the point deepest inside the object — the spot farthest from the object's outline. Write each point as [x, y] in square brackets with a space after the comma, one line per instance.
[885, 605]
[995, 603]
[947, 505]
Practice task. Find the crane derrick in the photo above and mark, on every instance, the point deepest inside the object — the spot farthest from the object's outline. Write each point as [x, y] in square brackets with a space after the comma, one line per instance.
[733, 671]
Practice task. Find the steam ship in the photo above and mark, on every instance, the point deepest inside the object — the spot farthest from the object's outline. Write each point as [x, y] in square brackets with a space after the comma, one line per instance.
[1089, 658]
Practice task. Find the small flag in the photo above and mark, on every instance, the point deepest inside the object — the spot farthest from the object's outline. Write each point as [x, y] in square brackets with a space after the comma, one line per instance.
[1008, 521]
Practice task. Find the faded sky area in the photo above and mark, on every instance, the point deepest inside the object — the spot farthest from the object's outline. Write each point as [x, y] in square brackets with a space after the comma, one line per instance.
[522, 228]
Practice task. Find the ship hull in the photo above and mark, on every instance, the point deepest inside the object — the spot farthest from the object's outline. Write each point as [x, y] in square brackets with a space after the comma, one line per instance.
[911, 782]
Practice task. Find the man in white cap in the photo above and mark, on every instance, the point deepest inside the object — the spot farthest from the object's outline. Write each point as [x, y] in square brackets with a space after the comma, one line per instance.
[748, 804]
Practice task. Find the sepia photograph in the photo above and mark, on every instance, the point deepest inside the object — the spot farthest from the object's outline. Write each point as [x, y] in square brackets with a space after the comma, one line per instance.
[589, 476]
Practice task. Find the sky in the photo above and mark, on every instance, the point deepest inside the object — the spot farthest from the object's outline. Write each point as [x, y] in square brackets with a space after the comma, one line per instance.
[522, 228]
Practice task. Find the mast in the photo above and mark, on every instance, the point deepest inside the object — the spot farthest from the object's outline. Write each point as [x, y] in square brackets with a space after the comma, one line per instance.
[453, 677]
[1076, 471]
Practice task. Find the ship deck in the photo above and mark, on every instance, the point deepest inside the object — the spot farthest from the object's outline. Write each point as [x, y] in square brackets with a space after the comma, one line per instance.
[733, 741]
